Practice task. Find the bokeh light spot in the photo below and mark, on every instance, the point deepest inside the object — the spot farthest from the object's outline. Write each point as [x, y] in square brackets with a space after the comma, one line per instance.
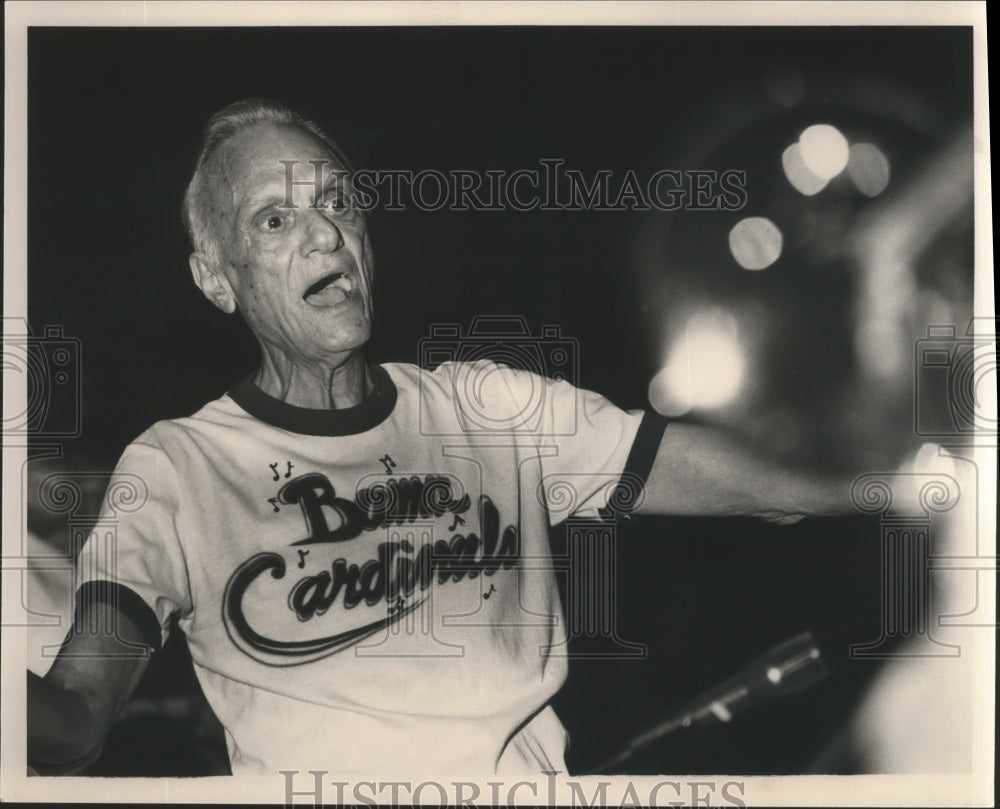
[868, 168]
[704, 369]
[755, 242]
[824, 150]
[802, 178]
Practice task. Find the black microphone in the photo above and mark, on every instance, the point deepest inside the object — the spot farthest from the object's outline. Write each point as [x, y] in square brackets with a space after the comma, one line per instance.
[787, 668]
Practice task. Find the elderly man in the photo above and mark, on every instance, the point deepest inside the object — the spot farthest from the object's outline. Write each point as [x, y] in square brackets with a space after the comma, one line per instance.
[357, 553]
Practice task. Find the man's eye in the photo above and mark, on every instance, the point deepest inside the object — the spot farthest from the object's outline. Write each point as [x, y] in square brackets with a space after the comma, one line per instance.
[271, 222]
[336, 201]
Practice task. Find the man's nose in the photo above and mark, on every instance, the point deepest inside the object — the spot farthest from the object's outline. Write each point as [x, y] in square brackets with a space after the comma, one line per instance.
[323, 234]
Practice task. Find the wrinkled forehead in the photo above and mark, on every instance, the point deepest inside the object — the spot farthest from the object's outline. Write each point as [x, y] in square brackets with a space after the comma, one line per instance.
[270, 159]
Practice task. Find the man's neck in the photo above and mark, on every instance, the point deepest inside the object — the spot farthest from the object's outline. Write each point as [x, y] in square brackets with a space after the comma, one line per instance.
[321, 388]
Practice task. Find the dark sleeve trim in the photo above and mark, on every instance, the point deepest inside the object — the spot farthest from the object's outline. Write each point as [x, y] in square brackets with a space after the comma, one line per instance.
[628, 491]
[644, 448]
[126, 601]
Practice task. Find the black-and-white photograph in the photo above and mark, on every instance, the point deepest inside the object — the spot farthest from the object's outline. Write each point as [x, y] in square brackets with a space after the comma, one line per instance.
[578, 404]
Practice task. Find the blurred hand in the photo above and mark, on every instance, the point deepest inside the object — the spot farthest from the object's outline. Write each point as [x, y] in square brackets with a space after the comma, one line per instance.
[780, 517]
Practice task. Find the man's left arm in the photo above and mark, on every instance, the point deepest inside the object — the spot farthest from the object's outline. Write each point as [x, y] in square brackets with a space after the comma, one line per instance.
[699, 471]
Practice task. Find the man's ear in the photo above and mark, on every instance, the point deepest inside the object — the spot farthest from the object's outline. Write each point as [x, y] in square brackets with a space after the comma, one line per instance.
[213, 284]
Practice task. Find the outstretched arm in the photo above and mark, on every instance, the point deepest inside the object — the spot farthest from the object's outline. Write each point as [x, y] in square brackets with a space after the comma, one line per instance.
[700, 471]
[72, 708]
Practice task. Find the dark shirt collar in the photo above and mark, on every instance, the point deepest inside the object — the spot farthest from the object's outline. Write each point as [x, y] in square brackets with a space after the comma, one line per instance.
[375, 409]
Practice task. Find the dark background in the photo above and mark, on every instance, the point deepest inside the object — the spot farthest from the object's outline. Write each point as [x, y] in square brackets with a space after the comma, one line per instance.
[114, 119]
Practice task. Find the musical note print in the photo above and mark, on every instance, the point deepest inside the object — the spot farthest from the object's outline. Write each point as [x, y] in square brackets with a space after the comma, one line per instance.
[492, 590]
[302, 558]
[274, 502]
[390, 464]
[277, 475]
[456, 522]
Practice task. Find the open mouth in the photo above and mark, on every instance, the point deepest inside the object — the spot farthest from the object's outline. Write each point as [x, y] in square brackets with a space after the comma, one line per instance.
[329, 290]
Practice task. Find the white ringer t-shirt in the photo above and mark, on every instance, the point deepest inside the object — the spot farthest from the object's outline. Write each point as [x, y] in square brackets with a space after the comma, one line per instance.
[368, 590]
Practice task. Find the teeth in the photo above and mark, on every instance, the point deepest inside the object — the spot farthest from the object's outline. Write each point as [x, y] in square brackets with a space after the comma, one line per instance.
[334, 279]
[329, 290]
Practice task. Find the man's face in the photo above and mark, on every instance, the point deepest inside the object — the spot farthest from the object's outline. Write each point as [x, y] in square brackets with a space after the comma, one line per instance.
[300, 275]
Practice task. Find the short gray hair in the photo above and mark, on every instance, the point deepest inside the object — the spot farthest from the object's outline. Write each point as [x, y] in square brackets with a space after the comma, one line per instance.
[225, 124]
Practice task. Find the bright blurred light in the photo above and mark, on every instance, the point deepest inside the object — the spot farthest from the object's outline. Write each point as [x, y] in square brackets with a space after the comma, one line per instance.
[755, 242]
[918, 471]
[799, 174]
[931, 459]
[868, 167]
[824, 150]
[705, 368]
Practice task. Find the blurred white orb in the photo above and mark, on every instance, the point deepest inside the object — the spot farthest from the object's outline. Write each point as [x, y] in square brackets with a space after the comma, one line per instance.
[868, 168]
[755, 242]
[824, 150]
[704, 369]
[799, 174]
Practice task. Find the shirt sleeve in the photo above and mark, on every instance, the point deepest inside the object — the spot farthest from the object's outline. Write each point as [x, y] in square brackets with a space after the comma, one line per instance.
[595, 457]
[602, 456]
[133, 558]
